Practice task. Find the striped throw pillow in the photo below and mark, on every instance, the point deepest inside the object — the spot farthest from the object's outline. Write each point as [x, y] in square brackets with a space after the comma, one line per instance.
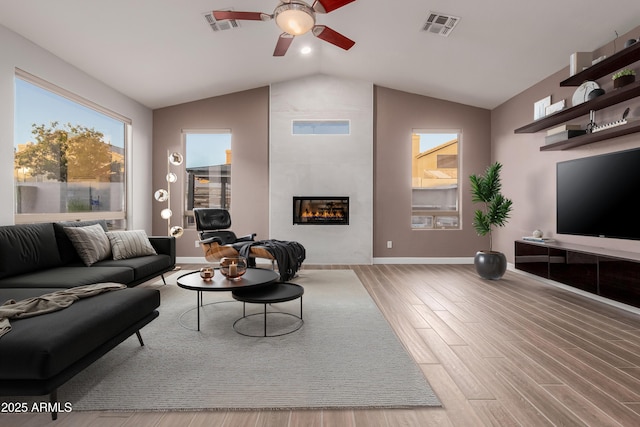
[91, 243]
[130, 244]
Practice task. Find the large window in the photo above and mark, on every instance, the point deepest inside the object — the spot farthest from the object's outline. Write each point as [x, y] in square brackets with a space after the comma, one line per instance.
[434, 179]
[208, 166]
[69, 156]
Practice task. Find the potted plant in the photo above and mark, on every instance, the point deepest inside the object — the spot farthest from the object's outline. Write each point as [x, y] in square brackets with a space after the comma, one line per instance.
[623, 77]
[486, 189]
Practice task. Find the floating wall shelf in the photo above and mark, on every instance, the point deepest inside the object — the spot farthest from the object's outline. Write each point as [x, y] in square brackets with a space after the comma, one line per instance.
[605, 67]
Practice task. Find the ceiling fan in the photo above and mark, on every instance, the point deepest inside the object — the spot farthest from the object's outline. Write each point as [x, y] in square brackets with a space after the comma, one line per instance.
[295, 17]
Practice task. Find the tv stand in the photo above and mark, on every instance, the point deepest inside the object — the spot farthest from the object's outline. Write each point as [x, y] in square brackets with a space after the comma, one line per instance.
[608, 273]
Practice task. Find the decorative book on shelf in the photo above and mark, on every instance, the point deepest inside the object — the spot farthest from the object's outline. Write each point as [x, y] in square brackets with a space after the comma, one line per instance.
[563, 128]
[564, 135]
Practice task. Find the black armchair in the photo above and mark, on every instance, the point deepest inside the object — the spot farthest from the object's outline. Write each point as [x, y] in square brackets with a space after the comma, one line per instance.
[217, 241]
[215, 223]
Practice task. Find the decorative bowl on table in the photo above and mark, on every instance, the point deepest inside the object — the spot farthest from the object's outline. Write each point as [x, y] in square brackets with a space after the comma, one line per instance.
[233, 267]
[207, 273]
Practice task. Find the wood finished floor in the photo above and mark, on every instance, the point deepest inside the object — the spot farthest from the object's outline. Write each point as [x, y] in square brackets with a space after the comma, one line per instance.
[514, 352]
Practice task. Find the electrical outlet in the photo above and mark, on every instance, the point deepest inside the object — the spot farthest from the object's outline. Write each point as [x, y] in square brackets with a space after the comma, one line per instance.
[197, 243]
[389, 244]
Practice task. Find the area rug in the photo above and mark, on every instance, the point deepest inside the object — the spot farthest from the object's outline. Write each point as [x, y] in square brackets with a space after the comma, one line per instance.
[345, 355]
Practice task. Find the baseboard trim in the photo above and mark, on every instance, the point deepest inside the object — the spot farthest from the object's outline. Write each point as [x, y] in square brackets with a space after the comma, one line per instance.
[416, 260]
[191, 260]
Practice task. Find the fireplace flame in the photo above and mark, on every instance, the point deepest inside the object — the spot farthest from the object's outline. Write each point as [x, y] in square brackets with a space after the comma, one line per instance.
[327, 214]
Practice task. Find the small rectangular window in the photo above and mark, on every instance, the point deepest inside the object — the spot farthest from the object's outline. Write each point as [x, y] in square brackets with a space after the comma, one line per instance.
[435, 180]
[321, 127]
[208, 167]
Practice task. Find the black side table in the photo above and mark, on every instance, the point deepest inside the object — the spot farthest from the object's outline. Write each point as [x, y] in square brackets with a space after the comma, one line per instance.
[270, 294]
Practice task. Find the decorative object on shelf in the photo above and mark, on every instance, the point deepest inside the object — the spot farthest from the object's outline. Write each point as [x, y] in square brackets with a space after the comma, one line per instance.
[162, 195]
[563, 128]
[595, 93]
[486, 189]
[578, 61]
[233, 267]
[207, 273]
[622, 121]
[592, 121]
[623, 78]
[629, 42]
[540, 107]
[554, 108]
[537, 234]
[563, 136]
[538, 239]
[580, 95]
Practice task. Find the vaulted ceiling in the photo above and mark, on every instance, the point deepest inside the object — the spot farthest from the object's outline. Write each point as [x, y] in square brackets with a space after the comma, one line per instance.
[163, 52]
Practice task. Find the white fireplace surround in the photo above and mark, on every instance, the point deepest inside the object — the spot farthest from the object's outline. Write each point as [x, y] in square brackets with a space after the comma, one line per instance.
[321, 165]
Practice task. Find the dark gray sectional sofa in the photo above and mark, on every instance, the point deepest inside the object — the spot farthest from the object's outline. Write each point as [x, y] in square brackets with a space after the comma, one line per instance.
[41, 353]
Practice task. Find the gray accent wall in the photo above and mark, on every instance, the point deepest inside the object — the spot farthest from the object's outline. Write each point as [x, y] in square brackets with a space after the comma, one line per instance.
[323, 165]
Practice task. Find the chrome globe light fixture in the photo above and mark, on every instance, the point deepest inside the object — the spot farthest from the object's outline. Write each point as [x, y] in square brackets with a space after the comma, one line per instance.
[295, 18]
[163, 195]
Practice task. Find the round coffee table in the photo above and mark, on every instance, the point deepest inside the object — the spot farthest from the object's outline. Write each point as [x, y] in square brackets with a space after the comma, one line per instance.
[272, 294]
[253, 278]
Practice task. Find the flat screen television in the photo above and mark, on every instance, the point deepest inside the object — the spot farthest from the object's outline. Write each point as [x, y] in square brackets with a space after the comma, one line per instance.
[598, 196]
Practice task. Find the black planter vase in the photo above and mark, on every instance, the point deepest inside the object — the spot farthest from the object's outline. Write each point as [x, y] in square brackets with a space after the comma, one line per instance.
[623, 81]
[490, 265]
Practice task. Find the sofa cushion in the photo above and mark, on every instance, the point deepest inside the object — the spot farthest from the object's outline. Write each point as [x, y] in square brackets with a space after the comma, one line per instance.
[42, 346]
[67, 252]
[142, 267]
[68, 276]
[91, 243]
[26, 248]
[130, 244]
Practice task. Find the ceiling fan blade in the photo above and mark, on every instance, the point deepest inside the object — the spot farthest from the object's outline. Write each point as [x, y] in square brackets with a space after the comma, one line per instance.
[327, 34]
[326, 6]
[221, 15]
[284, 41]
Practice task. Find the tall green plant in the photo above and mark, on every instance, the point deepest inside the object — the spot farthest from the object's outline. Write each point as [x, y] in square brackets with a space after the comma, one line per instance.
[486, 189]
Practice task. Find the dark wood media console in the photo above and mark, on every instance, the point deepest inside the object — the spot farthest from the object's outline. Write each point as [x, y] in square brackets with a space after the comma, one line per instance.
[611, 274]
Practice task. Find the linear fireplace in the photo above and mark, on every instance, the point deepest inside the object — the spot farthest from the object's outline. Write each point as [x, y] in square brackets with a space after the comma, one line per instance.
[321, 210]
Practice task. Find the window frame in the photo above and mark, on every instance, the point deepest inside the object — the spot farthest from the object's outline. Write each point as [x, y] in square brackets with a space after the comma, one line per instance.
[431, 216]
[27, 218]
[188, 216]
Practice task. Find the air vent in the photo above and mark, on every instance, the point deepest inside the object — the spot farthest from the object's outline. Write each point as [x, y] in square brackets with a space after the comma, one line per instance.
[226, 24]
[440, 24]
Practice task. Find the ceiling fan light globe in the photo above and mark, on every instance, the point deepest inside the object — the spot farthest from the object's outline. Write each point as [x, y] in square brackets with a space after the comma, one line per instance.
[295, 18]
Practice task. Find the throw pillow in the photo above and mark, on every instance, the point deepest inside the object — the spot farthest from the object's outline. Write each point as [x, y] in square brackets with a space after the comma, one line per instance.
[91, 243]
[130, 244]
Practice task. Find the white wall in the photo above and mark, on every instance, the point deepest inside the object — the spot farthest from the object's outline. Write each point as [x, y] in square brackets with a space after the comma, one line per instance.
[18, 52]
[323, 165]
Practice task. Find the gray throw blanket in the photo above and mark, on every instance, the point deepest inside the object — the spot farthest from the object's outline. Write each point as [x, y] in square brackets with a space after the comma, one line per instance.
[47, 303]
[288, 255]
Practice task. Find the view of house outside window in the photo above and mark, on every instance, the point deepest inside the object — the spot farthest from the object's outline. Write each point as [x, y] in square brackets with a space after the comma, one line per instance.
[69, 158]
[208, 167]
[434, 179]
